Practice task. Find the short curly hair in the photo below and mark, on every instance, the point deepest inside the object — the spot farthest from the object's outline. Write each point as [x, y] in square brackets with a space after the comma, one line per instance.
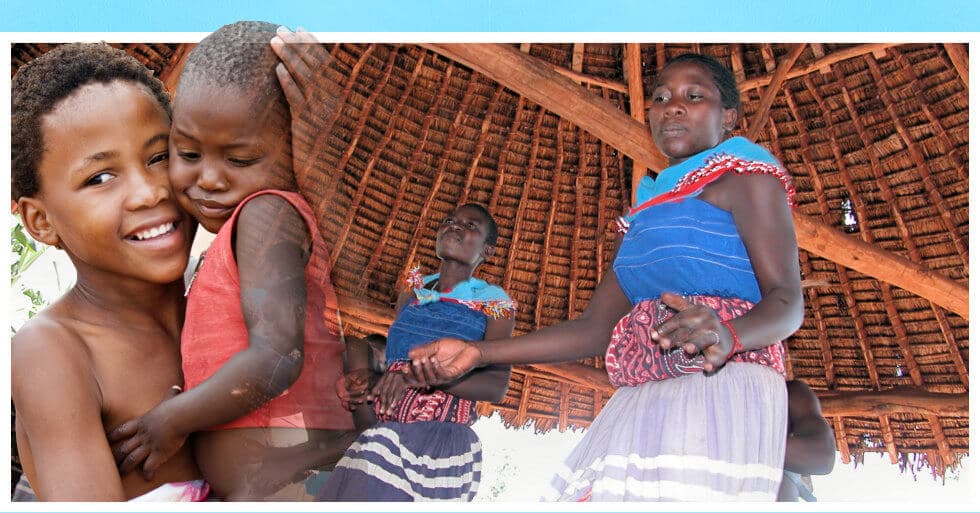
[40, 85]
[237, 55]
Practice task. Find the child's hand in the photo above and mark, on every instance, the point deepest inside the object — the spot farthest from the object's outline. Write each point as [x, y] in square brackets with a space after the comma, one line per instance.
[313, 97]
[149, 440]
[390, 389]
[695, 328]
[353, 387]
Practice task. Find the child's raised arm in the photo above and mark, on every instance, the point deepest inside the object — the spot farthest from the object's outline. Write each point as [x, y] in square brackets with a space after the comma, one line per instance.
[272, 249]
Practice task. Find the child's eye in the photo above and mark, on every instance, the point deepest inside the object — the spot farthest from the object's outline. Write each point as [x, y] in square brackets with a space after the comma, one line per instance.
[659, 98]
[695, 96]
[471, 225]
[189, 156]
[242, 162]
[99, 178]
[159, 157]
[447, 220]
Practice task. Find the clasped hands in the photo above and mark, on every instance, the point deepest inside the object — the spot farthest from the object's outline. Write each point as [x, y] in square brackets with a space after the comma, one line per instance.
[694, 328]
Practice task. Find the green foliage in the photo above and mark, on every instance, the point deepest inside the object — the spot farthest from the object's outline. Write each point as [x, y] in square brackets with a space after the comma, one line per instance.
[25, 252]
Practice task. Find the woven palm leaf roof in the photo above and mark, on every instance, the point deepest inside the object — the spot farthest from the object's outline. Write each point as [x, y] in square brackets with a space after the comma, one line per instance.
[424, 128]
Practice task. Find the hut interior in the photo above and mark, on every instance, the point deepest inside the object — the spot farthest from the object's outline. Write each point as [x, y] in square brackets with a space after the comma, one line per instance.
[553, 137]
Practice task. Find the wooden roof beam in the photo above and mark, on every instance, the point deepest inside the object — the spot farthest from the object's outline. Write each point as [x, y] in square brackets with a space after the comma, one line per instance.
[819, 64]
[578, 55]
[416, 160]
[540, 83]
[961, 61]
[537, 82]
[841, 435]
[633, 66]
[935, 197]
[772, 90]
[941, 442]
[864, 230]
[893, 401]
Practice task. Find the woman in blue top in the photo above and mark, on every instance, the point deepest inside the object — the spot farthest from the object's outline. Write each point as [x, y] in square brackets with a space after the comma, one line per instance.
[423, 448]
[707, 277]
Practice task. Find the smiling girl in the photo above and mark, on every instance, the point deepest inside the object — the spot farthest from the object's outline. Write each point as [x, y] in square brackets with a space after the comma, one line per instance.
[260, 345]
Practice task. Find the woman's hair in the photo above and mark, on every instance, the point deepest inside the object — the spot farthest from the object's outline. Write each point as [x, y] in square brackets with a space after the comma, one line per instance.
[492, 230]
[40, 85]
[723, 78]
[237, 55]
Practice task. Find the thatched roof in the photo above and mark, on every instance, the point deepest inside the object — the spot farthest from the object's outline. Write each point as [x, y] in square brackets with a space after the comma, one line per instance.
[551, 137]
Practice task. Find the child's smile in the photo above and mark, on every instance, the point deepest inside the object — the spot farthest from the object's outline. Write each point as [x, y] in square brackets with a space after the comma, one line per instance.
[106, 190]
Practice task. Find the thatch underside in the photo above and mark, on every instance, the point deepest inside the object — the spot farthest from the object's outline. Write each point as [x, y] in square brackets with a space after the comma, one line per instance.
[885, 125]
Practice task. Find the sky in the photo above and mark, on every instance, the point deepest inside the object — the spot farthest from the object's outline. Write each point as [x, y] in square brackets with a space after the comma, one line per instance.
[877, 480]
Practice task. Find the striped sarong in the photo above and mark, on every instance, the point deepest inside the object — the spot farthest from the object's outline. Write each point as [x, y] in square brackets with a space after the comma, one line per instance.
[693, 438]
[418, 461]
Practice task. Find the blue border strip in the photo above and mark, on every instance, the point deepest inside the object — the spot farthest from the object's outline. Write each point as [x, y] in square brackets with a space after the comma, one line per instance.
[497, 15]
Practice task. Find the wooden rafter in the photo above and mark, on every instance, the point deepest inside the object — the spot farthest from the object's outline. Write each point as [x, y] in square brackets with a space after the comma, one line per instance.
[960, 59]
[893, 401]
[555, 197]
[864, 229]
[738, 68]
[352, 146]
[825, 62]
[416, 160]
[531, 79]
[481, 143]
[841, 436]
[578, 55]
[521, 214]
[633, 66]
[538, 82]
[889, 437]
[941, 442]
[956, 156]
[928, 182]
[762, 114]
[901, 335]
[573, 276]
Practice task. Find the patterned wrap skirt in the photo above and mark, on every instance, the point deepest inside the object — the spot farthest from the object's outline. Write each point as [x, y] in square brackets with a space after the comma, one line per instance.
[673, 433]
[425, 451]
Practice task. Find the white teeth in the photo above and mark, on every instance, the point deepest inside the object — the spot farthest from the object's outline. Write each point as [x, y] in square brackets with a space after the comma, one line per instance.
[155, 232]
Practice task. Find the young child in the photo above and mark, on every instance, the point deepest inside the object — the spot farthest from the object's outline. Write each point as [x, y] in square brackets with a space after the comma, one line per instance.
[260, 344]
[89, 156]
[700, 376]
[424, 448]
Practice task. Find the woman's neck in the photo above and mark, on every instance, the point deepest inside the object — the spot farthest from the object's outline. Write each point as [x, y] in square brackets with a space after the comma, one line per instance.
[452, 273]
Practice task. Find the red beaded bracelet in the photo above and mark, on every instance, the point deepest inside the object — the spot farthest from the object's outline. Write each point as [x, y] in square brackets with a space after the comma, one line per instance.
[736, 346]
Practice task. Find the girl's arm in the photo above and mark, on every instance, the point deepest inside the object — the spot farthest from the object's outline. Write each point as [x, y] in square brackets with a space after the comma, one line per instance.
[447, 359]
[486, 383]
[272, 249]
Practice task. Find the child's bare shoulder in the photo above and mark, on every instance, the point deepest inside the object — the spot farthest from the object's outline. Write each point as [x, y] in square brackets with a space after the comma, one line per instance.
[49, 357]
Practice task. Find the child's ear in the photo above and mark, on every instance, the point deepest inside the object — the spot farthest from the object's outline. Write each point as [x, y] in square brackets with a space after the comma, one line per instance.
[487, 251]
[35, 218]
[729, 119]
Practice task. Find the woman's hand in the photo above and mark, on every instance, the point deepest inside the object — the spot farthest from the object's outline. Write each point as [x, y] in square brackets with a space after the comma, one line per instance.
[694, 328]
[443, 361]
[313, 97]
[150, 440]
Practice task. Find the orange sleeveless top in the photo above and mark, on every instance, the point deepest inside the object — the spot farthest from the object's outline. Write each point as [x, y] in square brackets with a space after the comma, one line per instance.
[214, 330]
